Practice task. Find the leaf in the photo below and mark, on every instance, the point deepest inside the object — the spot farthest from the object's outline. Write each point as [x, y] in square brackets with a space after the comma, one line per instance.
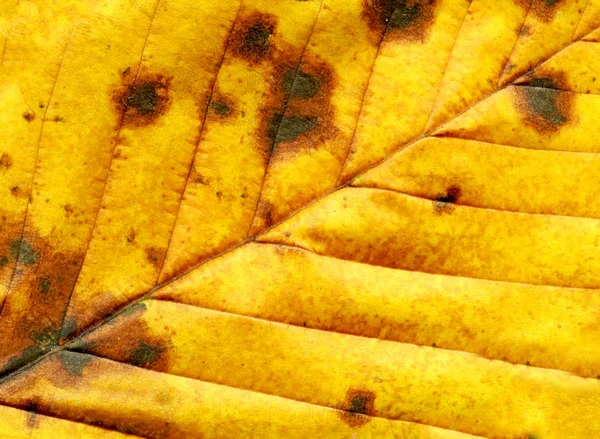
[318, 218]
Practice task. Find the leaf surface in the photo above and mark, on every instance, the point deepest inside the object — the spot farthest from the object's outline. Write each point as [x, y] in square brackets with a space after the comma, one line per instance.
[319, 218]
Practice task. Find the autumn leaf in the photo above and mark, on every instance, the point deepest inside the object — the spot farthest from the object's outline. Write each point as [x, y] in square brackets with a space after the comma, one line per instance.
[300, 218]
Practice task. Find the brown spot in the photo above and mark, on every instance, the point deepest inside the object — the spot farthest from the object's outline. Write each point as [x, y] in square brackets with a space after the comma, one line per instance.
[543, 107]
[5, 161]
[444, 203]
[127, 339]
[357, 407]
[155, 256]
[405, 20]
[301, 114]
[251, 37]
[131, 236]
[143, 100]
[58, 119]
[28, 116]
[545, 9]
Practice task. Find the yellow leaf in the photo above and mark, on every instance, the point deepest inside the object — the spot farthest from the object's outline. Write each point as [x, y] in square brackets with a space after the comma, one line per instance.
[299, 218]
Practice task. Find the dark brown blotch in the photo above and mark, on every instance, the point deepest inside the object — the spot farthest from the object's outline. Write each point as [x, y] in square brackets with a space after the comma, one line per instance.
[3, 261]
[74, 364]
[251, 38]
[357, 407]
[28, 116]
[444, 203]
[5, 161]
[408, 20]
[32, 410]
[143, 101]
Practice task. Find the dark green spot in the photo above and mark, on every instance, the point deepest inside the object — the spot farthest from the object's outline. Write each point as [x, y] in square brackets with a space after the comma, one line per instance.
[27, 356]
[44, 285]
[542, 82]
[74, 364]
[221, 108]
[69, 326]
[300, 85]
[286, 128]
[551, 3]
[23, 250]
[256, 38]
[143, 98]
[46, 338]
[3, 261]
[543, 102]
[146, 354]
[134, 308]
[403, 15]
[358, 404]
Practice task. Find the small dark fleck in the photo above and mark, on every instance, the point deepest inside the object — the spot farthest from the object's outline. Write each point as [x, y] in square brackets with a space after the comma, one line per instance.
[44, 285]
[28, 116]
[3, 261]
[58, 119]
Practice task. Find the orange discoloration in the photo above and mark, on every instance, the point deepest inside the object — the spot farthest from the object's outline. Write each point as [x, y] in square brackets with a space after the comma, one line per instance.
[127, 339]
[155, 256]
[357, 407]
[407, 20]
[545, 9]
[42, 285]
[141, 101]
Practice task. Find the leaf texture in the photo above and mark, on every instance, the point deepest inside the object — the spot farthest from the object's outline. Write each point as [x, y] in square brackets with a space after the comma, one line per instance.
[300, 218]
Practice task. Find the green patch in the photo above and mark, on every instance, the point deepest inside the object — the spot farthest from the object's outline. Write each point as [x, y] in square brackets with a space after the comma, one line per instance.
[256, 38]
[143, 97]
[3, 261]
[287, 128]
[543, 102]
[23, 251]
[44, 285]
[46, 338]
[358, 404]
[298, 84]
[404, 14]
[146, 354]
[74, 364]
[27, 356]
[221, 108]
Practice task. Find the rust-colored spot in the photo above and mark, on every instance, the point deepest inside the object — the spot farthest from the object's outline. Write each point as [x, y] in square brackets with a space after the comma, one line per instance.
[251, 37]
[155, 256]
[408, 20]
[543, 107]
[5, 161]
[28, 116]
[357, 407]
[545, 10]
[128, 339]
[143, 100]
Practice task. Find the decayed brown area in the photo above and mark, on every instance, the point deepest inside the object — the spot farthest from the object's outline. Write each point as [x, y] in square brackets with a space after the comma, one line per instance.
[45, 346]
